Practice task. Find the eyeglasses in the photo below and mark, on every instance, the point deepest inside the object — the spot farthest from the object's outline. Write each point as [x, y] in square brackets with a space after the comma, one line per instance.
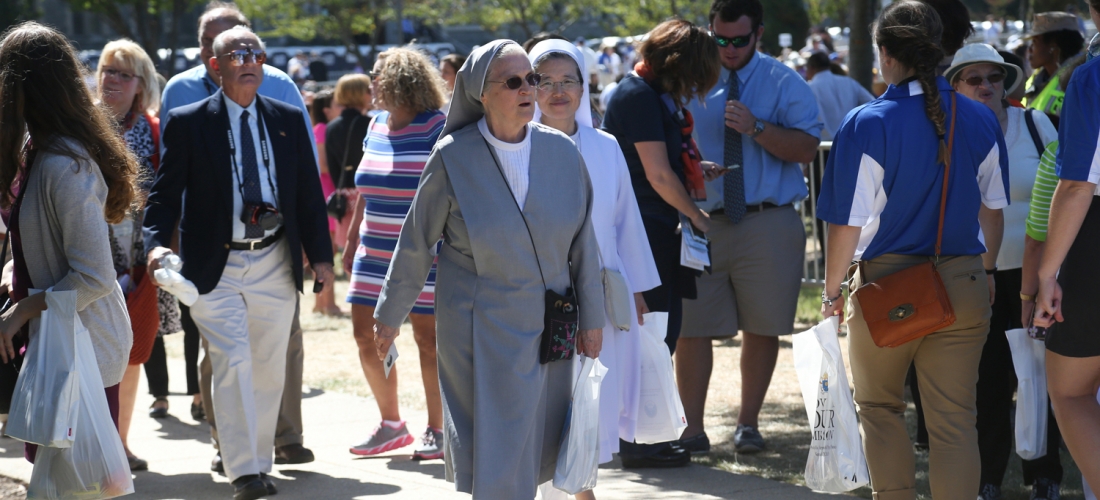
[566, 85]
[975, 81]
[738, 42]
[515, 82]
[241, 57]
[373, 75]
[121, 75]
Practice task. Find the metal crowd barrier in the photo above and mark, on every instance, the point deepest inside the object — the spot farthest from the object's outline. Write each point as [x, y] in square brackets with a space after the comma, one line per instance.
[813, 265]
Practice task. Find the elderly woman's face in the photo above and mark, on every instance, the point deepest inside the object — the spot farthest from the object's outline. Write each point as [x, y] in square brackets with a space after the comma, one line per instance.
[977, 82]
[118, 86]
[513, 106]
[560, 91]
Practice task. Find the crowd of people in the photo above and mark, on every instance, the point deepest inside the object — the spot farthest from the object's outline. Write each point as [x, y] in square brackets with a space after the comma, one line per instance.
[492, 202]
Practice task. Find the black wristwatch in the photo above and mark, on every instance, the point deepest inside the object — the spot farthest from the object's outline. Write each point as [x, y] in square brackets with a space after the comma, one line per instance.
[990, 271]
[758, 129]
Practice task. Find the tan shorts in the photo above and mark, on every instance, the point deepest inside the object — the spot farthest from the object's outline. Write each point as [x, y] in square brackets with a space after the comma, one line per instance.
[755, 279]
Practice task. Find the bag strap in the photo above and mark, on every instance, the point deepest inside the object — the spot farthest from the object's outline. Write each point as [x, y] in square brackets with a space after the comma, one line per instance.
[347, 149]
[1029, 118]
[534, 247]
[946, 177]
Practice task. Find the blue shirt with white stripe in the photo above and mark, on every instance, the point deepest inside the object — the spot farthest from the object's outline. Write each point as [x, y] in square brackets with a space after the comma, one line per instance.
[1079, 131]
[882, 174]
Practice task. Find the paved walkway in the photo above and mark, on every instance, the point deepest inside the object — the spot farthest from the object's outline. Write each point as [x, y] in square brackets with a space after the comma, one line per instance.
[179, 452]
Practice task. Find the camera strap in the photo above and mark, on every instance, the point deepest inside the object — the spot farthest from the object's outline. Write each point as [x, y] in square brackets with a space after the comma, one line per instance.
[264, 150]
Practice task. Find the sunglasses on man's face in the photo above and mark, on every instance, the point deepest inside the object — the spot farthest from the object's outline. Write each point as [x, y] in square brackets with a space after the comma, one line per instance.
[241, 57]
[975, 81]
[738, 42]
[515, 82]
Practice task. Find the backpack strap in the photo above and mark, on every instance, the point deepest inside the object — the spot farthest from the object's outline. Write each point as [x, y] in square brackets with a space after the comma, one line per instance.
[1029, 118]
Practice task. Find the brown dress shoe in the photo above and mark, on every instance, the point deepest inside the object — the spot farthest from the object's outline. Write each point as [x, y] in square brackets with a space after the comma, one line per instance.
[293, 454]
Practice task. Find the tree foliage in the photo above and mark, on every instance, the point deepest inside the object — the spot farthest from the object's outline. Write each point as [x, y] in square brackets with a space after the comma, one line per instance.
[16, 11]
[340, 20]
[146, 22]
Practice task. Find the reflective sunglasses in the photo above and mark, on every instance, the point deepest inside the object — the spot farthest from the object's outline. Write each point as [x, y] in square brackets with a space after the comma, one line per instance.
[566, 85]
[975, 81]
[241, 57]
[738, 42]
[515, 82]
[121, 75]
[373, 75]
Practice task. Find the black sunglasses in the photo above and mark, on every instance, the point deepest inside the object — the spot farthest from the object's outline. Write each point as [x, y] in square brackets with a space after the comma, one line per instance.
[738, 42]
[515, 82]
[975, 81]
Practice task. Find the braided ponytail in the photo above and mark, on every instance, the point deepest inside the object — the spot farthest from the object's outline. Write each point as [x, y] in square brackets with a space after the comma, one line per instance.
[910, 32]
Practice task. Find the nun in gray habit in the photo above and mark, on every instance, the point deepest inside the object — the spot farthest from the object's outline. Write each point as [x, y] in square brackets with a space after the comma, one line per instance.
[492, 169]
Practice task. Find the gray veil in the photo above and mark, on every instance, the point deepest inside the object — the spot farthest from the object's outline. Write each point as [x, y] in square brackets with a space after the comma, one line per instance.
[466, 107]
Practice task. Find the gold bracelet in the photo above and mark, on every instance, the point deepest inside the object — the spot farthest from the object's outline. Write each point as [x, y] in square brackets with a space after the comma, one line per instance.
[1026, 297]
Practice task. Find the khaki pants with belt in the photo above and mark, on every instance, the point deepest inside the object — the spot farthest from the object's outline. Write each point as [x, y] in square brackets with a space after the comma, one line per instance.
[947, 371]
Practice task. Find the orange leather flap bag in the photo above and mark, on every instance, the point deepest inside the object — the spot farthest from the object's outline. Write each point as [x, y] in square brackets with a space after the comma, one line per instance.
[913, 302]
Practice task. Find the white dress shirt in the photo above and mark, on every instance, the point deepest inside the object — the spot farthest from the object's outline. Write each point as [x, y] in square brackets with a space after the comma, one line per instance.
[235, 111]
[515, 160]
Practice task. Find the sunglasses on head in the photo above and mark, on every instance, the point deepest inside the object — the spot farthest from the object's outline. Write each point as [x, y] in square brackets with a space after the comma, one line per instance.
[737, 42]
[240, 57]
[975, 81]
[515, 82]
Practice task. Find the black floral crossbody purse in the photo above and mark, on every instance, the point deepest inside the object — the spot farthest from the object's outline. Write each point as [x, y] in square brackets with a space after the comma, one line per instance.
[562, 316]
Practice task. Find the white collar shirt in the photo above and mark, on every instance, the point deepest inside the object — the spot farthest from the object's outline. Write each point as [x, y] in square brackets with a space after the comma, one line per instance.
[269, 184]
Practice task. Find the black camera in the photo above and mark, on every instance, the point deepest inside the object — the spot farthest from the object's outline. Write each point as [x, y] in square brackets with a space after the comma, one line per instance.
[264, 215]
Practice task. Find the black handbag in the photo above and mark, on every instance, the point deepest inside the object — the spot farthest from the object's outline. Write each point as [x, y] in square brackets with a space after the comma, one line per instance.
[562, 316]
[337, 203]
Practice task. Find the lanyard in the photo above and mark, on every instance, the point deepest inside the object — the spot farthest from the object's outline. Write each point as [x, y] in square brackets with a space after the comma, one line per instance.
[263, 150]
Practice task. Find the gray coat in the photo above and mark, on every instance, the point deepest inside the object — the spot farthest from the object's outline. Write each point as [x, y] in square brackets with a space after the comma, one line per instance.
[503, 410]
[67, 247]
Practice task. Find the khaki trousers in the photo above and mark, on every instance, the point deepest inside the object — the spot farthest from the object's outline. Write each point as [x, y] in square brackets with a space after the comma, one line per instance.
[288, 430]
[947, 372]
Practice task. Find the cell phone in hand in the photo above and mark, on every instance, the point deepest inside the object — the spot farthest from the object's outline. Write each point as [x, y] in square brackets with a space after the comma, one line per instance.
[318, 286]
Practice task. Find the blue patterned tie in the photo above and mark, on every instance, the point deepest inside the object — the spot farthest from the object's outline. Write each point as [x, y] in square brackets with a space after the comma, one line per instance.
[251, 175]
[733, 199]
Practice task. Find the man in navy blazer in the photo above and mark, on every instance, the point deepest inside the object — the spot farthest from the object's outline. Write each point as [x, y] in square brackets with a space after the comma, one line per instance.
[239, 175]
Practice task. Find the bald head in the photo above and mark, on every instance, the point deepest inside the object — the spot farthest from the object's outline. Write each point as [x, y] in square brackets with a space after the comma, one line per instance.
[232, 37]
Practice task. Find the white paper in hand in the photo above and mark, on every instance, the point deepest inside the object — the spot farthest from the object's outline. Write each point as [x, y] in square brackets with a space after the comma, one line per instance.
[694, 253]
[391, 358]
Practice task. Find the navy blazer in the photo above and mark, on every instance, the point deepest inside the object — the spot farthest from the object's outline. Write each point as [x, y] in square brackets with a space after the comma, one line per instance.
[194, 185]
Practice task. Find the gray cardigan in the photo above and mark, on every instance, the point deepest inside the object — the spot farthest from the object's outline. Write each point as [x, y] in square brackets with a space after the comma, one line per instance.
[65, 243]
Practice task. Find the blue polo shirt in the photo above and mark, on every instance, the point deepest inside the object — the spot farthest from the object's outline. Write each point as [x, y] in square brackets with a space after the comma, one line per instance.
[1079, 133]
[194, 85]
[776, 94]
[882, 174]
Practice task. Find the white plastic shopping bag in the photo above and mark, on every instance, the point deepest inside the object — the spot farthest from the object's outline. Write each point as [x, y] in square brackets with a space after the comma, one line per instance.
[660, 411]
[1029, 359]
[44, 405]
[579, 456]
[95, 467]
[836, 462]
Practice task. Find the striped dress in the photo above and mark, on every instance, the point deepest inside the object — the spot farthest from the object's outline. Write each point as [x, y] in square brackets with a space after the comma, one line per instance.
[387, 179]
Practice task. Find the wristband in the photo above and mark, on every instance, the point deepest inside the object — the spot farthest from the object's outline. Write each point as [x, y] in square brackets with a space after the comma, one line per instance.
[1026, 297]
[990, 271]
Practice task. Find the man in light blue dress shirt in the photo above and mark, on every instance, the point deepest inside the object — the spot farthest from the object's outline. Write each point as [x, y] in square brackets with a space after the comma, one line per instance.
[761, 127]
[192, 86]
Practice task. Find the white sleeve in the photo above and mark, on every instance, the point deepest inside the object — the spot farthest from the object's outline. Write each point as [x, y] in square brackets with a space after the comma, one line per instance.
[991, 181]
[869, 199]
[1047, 132]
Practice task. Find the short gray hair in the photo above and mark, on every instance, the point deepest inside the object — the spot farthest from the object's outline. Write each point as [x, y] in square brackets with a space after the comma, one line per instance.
[233, 33]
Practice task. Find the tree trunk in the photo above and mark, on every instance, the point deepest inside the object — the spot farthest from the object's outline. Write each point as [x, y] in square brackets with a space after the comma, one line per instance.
[861, 57]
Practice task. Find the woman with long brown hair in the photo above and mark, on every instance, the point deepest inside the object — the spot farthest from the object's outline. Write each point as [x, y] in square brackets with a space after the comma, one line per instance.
[65, 173]
[647, 115]
[883, 195]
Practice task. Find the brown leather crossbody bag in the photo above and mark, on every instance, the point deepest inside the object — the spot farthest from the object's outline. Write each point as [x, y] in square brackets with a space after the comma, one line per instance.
[913, 302]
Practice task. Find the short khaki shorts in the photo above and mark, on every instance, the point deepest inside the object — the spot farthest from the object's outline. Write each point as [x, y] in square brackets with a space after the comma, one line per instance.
[756, 276]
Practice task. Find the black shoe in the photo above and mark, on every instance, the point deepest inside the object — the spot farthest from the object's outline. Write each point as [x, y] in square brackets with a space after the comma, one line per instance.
[159, 411]
[698, 444]
[216, 464]
[269, 484]
[137, 464]
[664, 459]
[1045, 489]
[249, 487]
[197, 412]
[990, 491]
[293, 454]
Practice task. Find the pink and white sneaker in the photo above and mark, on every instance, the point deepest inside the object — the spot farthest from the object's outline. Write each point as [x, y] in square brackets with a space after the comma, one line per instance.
[431, 445]
[384, 438]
